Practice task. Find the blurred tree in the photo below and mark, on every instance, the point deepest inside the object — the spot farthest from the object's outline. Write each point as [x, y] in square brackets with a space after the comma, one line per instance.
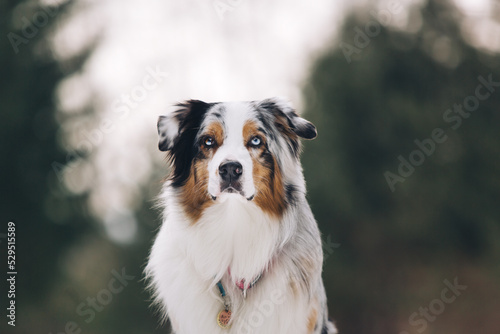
[54, 232]
[63, 257]
[47, 219]
[371, 98]
[31, 197]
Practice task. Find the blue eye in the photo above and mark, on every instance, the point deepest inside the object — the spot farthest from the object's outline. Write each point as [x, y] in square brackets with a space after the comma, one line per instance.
[255, 141]
[209, 142]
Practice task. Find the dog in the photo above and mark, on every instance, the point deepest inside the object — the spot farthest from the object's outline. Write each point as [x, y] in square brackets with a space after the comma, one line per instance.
[239, 250]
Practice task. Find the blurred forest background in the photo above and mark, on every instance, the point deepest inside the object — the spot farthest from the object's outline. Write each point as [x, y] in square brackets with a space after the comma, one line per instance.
[372, 92]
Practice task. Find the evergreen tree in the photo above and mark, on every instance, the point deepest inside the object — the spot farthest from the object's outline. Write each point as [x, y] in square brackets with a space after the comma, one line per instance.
[402, 175]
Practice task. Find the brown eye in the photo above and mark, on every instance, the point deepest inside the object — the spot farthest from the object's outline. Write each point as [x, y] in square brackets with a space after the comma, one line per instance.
[255, 141]
[209, 142]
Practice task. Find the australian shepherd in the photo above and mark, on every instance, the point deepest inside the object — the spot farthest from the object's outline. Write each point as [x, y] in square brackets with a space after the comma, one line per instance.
[239, 250]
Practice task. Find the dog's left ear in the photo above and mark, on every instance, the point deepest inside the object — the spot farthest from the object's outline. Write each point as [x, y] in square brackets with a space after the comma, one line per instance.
[287, 119]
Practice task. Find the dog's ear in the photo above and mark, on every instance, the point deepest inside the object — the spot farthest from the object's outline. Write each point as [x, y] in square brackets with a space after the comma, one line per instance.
[287, 119]
[168, 131]
[172, 126]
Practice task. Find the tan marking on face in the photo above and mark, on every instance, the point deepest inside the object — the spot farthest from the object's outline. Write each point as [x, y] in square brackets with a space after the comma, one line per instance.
[268, 180]
[215, 131]
[251, 129]
[194, 194]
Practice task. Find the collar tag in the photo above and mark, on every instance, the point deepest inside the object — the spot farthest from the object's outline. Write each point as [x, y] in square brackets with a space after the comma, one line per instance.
[223, 319]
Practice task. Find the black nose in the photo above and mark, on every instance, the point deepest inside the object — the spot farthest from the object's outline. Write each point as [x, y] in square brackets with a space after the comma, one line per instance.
[230, 171]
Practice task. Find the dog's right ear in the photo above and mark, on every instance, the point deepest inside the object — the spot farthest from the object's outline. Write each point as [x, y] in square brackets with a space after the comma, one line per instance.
[168, 131]
[172, 126]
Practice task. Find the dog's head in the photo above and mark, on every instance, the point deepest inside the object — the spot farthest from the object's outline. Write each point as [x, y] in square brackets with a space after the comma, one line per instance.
[247, 149]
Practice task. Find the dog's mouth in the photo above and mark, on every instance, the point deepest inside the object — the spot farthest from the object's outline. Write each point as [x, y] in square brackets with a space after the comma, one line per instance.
[232, 190]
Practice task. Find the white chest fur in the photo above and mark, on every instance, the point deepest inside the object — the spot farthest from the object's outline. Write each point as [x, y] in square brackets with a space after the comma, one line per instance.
[187, 261]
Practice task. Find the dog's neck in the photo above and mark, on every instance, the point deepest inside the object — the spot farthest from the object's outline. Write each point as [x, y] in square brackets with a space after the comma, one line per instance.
[233, 233]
